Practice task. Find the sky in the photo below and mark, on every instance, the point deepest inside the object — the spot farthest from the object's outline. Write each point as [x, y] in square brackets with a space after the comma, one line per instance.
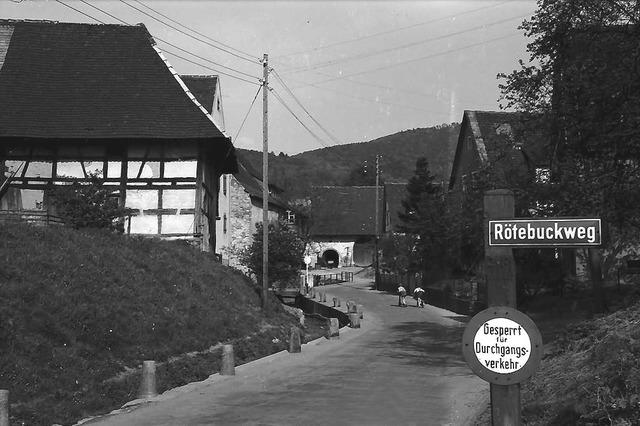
[340, 71]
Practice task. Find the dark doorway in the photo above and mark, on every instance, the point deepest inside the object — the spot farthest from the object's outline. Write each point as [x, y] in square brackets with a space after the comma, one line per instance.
[330, 258]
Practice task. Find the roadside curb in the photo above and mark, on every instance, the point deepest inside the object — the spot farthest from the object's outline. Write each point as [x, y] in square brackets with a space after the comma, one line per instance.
[132, 405]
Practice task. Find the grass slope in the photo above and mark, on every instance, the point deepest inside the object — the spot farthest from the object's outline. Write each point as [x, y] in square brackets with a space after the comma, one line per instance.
[82, 308]
[592, 375]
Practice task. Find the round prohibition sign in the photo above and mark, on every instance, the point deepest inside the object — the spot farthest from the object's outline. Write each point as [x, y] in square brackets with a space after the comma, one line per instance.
[502, 346]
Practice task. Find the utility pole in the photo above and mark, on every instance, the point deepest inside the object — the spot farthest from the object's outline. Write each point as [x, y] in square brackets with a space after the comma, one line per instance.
[265, 182]
[377, 260]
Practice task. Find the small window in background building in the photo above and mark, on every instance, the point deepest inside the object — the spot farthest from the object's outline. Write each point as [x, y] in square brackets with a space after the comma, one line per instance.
[291, 217]
[224, 223]
[218, 104]
[224, 184]
[543, 174]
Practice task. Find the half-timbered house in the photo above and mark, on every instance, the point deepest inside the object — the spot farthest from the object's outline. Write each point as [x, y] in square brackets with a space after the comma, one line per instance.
[81, 99]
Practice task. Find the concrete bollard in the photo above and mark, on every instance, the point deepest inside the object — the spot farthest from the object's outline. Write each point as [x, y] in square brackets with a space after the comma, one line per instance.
[228, 363]
[148, 385]
[324, 297]
[295, 346]
[4, 407]
[354, 320]
[313, 293]
[338, 303]
[334, 329]
[335, 302]
[360, 310]
[351, 306]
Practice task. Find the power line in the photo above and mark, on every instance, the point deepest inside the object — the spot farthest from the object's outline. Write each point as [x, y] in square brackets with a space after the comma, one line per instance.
[403, 46]
[105, 12]
[392, 30]
[434, 55]
[210, 68]
[80, 12]
[189, 35]
[177, 47]
[205, 59]
[279, 98]
[247, 114]
[295, 98]
[375, 101]
[251, 57]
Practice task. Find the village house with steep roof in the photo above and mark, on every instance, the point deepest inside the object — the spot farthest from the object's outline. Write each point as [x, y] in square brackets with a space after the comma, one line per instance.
[240, 196]
[78, 99]
[343, 224]
[508, 144]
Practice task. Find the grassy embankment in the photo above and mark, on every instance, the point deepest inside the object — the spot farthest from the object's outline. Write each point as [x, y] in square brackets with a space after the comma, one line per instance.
[80, 311]
[590, 373]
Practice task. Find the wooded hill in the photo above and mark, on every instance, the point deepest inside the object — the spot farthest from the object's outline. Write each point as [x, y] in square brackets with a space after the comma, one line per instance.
[340, 164]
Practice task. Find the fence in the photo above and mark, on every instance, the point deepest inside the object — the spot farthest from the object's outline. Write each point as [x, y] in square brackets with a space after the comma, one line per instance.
[35, 217]
[455, 295]
[326, 279]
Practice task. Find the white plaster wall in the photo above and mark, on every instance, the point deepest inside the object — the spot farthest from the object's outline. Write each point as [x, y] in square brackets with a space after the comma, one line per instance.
[344, 250]
[223, 238]
[256, 216]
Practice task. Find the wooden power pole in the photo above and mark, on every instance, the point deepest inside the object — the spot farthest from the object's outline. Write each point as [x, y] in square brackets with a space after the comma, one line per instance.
[500, 271]
[377, 219]
[265, 182]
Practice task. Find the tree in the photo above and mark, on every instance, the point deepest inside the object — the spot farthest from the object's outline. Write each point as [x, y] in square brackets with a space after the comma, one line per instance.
[286, 252]
[427, 218]
[583, 78]
[88, 205]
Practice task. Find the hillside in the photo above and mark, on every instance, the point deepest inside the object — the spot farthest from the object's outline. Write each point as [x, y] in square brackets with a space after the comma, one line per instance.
[331, 166]
[81, 310]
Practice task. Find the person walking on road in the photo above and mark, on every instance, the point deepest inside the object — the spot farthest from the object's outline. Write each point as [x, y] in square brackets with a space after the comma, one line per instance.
[402, 296]
[418, 294]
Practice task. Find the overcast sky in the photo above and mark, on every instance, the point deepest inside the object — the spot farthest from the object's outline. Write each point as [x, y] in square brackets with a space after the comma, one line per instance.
[358, 70]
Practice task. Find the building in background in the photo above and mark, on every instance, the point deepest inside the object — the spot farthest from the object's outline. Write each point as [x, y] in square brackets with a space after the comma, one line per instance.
[342, 225]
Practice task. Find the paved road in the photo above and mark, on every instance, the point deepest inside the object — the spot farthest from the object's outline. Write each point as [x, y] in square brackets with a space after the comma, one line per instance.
[402, 367]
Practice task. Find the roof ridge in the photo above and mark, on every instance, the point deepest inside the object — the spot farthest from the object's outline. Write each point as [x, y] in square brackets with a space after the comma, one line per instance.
[52, 22]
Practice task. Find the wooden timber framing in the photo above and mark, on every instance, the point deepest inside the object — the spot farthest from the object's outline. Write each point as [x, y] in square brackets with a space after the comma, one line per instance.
[124, 166]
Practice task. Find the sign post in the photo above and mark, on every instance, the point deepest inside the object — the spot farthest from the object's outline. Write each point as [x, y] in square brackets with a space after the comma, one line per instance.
[500, 272]
[500, 344]
[307, 261]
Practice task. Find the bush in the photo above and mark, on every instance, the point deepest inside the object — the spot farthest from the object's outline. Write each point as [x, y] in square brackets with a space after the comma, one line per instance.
[88, 205]
[286, 251]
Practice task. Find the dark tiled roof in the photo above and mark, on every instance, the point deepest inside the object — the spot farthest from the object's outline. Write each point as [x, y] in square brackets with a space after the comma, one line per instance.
[345, 211]
[253, 186]
[493, 132]
[203, 87]
[394, 194]
[85, 81]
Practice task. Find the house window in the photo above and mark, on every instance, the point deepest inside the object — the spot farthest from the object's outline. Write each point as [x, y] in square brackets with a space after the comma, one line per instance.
[291, 217]
[224, 184]
[218, 104]
[543, 174]
[224, 223]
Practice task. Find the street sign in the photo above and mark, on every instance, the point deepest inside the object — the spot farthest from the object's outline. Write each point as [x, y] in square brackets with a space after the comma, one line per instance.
[502, 345]
[547, 232]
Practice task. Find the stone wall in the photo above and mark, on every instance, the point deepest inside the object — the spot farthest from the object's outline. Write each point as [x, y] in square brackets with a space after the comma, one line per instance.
[240, 226]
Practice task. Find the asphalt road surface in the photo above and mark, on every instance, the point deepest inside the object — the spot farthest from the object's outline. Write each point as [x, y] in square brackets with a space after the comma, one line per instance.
[404, 366]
